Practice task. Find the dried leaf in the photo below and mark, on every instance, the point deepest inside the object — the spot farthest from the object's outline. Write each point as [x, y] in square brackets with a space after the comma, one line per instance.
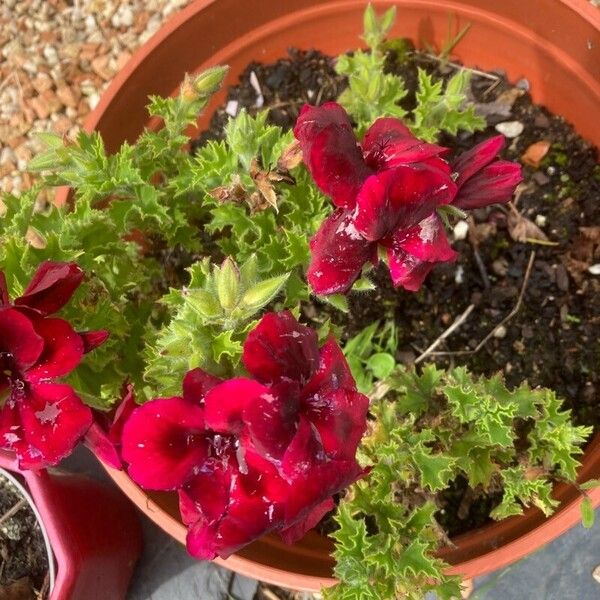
[521, 229]
[230, 193]
[535, 153]
[35, 239]
[263, 185]
[290, 158]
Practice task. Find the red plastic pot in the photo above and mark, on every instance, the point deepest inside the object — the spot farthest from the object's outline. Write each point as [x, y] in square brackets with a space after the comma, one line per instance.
[555, 44]
[92, 532]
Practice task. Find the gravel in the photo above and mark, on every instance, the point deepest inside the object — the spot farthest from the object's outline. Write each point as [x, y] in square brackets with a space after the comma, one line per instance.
[56, 59]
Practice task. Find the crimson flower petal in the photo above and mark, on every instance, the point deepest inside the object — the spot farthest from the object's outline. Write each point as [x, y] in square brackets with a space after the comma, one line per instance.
[98, 441]
[340, 417]
[297, 531]
[389, 143]
[53, 419]
[338, 255]
[51, 287]
[333, 372]
[493, 184]
[426, 241]
[281, 348]
[63, 349]
[272, 418]
[104, 436]
[473, 160]
[4, 300]
[92, 339]
[225, 403]
[399, 198]
[164, 443]
[331, 152]
[407, 271]
[19, 342]
[197, 383]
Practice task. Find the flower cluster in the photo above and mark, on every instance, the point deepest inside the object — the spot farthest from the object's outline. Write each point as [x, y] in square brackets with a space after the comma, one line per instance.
[41, 420]
[253, 455]
[387, 191]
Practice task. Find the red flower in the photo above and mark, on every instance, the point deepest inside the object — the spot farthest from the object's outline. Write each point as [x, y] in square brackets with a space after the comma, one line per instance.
[250, 456]
[40, 420]
[387, 191]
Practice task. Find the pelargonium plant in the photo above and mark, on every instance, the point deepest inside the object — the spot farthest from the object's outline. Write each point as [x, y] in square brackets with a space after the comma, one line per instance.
[218, 274]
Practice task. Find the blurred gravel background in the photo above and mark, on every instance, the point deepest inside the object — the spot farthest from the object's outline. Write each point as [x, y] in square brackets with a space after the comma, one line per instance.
[57, 56]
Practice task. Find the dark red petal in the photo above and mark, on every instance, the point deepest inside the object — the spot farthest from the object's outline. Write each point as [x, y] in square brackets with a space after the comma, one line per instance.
[63, 349]
[225, 403]
[54, 419]
[51, 287]
[281, 348]
[97, 440]
[389, 143]
[4, 300]
[197, 383]
[399, 198]
[426, 241]
[338, 254]
[333, 372]
[340, 417]
[495, 183]
[18, 339]
[203, 502]
[164, 442]
[92, 339]
[300, 528]
[331, 152]
[122, 413]
[272, 418]
[472, 161]
[407, 271]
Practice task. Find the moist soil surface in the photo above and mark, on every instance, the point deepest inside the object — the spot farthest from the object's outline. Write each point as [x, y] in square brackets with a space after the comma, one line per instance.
[23, 560]
[554, 222]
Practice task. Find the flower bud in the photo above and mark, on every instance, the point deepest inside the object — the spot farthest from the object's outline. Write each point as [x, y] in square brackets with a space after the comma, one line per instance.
[227, 282]
[209, 81]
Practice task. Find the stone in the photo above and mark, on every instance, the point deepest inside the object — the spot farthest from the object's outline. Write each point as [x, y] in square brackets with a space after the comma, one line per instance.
[511, 129]
[66, 95]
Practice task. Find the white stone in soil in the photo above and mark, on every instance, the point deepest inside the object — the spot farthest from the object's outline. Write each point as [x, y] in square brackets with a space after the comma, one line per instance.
[511, 129]
[594, 269]
[461, 230]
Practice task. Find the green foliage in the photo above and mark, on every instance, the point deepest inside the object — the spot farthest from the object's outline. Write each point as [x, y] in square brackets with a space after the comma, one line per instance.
[431, 428]
[257, 206]
[372, 93]
[211, 318]
[117, 198]
[442, 108]
[370, 354]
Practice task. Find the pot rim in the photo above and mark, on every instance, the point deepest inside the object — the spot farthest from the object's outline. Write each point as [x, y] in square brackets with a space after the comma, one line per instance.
[49, 552]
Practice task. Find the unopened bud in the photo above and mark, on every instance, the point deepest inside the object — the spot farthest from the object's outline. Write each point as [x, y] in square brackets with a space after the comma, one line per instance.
[209, 81]
[227, 282]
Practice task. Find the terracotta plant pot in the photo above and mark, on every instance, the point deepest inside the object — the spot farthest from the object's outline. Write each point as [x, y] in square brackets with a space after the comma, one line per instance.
[555, 44]
[92, 533]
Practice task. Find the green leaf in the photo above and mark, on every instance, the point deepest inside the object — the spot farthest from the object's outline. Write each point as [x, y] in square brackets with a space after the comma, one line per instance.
[382, 364]
[587, 513]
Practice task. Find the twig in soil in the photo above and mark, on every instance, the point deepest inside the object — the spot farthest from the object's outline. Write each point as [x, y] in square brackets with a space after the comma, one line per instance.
[455, 325]
[267, 593]
[458, 66]
[492, 87]
[504, 321]
[43, 593]
[13, 511]
[481, 267]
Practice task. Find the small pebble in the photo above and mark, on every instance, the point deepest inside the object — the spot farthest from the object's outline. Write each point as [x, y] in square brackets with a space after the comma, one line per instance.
[562, 278]
[500, 332]
[461, 230]
[511, 129]
[523, 84]
[596, 573]
[459, 276]
[540, 220]
[594, 269]
[541, 178]
[231, 108]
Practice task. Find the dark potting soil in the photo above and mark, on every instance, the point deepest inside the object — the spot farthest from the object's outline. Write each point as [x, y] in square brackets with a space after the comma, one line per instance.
[553, 340]
[24, 565]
